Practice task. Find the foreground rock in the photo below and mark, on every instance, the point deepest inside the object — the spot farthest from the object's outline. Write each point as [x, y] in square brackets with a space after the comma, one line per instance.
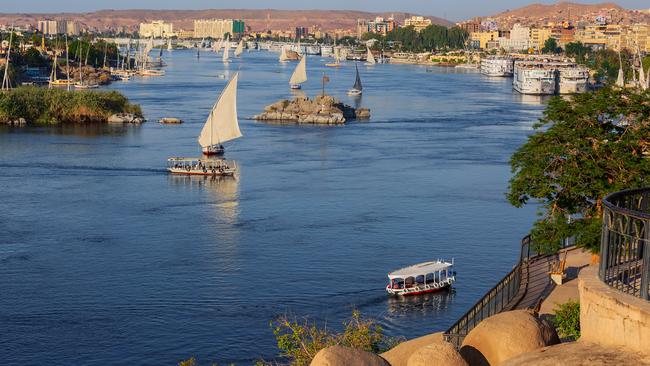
[578, 354]
[400, 354]
[442, 353]
[344, 356]
[504, 336]
[125, 118]
[320, 110]
[170, 120]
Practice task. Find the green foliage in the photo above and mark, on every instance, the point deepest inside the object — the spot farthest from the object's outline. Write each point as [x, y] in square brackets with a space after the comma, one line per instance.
[586, 146]
[551, 46]
[51, 106]
[299, 341]
[433, 37]
[567, 320]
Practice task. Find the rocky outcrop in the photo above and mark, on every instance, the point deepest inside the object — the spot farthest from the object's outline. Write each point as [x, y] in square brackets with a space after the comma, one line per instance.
[579, 354]
[441, 353]
[170, 120]
[504, 336]
[125, 118]
[320, 110]
[400, 354]
[344, 356]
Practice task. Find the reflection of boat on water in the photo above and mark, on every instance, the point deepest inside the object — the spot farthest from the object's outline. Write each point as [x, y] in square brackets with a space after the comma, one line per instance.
[421, 278]
[426, 303]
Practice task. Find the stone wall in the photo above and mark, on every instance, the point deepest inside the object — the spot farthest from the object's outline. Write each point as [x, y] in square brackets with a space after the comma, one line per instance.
[611, 318]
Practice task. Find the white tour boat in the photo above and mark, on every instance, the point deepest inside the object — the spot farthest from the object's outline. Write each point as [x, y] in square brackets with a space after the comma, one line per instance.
[201, 166]
[421, 278]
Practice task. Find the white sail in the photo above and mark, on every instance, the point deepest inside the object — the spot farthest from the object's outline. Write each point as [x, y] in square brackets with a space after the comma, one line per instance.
[620, 80]
[240, 48]
[337, 54]
[283, 54]
[299, 51]
[222, 124]
[226, 51]
[169, 44]
[642, 78]
[300, 73]
[370, 58]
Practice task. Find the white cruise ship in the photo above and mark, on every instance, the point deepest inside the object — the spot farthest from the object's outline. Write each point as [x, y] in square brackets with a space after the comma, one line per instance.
[327, 51]
[533, 77]
[497, 66]
[572, 78]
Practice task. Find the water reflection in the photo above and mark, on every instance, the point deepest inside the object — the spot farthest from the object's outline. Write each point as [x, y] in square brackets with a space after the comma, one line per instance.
[424, 304]
[78, 129]
[534, 100]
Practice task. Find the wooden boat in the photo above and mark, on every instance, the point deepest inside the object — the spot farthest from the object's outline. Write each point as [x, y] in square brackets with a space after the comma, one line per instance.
[201, 166]
[357, 89]
[421, 278]
[226, 51]
[299, 75]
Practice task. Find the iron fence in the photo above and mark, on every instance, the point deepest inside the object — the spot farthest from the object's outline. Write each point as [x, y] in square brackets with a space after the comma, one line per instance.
[625, 243]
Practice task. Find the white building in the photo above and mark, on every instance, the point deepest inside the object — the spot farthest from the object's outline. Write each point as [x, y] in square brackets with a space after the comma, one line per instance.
[417, 22]
[52, 27]
[519, 39]
[212, 28]
[156, 29]
[72, 28]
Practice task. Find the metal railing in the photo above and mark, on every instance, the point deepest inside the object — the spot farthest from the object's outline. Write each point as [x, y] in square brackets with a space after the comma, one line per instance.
[504, 296]
[625, 242]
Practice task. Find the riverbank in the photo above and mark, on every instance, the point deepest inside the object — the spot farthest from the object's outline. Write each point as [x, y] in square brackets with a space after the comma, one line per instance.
[42, 106]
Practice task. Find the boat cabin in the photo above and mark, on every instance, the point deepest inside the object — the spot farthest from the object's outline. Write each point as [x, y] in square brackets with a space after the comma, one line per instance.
[421, 278]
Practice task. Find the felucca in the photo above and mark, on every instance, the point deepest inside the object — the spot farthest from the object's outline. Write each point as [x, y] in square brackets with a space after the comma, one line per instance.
[226, 52]
[240, 48]
[620, 80]
[80, 84]
[370, 58]
[337, 58]
[283, 54]
[169, 44]
[299, 75]
[54, 80]
[357, 89]
[5, 78]
[221, 126]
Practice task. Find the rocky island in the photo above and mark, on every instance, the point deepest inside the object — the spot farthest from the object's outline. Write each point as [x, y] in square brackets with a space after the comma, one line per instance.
[323, 109]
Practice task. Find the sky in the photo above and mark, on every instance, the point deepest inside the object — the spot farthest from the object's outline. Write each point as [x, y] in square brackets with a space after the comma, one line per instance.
[454, 10]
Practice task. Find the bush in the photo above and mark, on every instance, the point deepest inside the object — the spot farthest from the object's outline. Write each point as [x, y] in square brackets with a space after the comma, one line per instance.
[567, 320]
[299, 341]
[51, 106]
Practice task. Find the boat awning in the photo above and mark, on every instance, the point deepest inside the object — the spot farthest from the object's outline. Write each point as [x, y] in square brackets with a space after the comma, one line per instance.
[420, 269]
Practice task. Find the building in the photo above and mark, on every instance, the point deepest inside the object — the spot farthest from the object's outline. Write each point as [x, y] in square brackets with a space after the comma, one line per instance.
[519, 39]
[52, 27]
[470, 27]
[380, 25]
[417, 22]
[479, 40]
[301, 32]
[157, 29]
[218, 28]
[538, 37]
[72, 28]
[185, 34]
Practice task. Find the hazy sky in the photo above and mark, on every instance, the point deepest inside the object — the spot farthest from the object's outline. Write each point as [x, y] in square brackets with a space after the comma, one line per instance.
[450, 9]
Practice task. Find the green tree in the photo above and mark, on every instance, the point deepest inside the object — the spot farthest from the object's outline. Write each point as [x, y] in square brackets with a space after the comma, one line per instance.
[578, 51]
[550, 46]
[585, 147]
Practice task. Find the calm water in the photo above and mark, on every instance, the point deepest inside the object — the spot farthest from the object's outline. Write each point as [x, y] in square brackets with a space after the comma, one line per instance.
[106, 259]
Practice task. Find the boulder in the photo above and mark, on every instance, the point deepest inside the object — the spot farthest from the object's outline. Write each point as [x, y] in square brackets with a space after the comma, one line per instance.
[125, 118]
[362, 113]
[400, 354]
[435, 354]
[344, 356]
[578, 354]
[170, 120]
[504, 336]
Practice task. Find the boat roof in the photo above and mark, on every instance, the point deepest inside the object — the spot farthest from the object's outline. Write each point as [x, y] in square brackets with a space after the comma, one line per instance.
[420, 269]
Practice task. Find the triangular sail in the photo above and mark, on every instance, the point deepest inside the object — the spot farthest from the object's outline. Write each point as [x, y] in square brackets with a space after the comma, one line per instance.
[370, 58]
[240, 48]
[357, 82]
[226, 51]
[620, 80]
[283, 54]
[300, 73]
[222, 124]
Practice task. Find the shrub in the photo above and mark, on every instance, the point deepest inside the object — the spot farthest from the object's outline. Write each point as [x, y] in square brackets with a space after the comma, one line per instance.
[299, 341]
[567, 320]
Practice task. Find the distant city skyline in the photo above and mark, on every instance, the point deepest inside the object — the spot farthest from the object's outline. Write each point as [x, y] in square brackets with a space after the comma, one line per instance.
[455, 11]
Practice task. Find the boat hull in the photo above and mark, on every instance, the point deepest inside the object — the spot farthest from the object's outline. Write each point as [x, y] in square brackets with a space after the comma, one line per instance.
[424, 290]
[205, 172]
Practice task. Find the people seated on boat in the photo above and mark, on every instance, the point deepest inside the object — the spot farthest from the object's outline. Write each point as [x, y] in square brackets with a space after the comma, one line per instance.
[408, 283]
[419, 280]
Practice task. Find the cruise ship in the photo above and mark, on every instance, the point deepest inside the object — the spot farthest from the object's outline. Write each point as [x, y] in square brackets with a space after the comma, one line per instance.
[573, 78]
[534, 77]
[497, 66]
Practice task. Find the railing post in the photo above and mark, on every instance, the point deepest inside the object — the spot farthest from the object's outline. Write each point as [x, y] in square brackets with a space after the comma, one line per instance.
[604, 246]
[645, 266]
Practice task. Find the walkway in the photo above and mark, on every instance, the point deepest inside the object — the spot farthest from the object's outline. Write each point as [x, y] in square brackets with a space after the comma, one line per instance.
[576, 260]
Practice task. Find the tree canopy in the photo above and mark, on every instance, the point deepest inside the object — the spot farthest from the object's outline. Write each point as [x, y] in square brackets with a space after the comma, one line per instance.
[433, 37]
[551, 46]
[585, 147]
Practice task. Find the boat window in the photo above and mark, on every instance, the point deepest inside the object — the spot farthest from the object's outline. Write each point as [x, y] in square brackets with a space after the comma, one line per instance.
[429, 277]
[443, 275]
[419, 279]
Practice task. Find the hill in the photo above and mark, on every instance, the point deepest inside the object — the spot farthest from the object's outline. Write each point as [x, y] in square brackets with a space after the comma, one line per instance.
[257, 19]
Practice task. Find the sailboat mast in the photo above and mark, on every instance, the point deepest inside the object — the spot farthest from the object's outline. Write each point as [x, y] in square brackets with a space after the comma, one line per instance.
[5, 78]
[67, 62]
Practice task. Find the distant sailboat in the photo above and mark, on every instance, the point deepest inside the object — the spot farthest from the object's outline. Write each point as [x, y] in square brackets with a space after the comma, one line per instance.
[169, 44]
[283, 54]
[337, 58]
[370, 58]
[226, 52]
[240, 48]
[222, 124]
[357, 89]
[299, 75]
[620, 80]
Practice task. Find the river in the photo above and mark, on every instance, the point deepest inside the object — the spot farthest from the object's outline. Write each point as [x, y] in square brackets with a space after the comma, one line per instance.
[107, 259]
